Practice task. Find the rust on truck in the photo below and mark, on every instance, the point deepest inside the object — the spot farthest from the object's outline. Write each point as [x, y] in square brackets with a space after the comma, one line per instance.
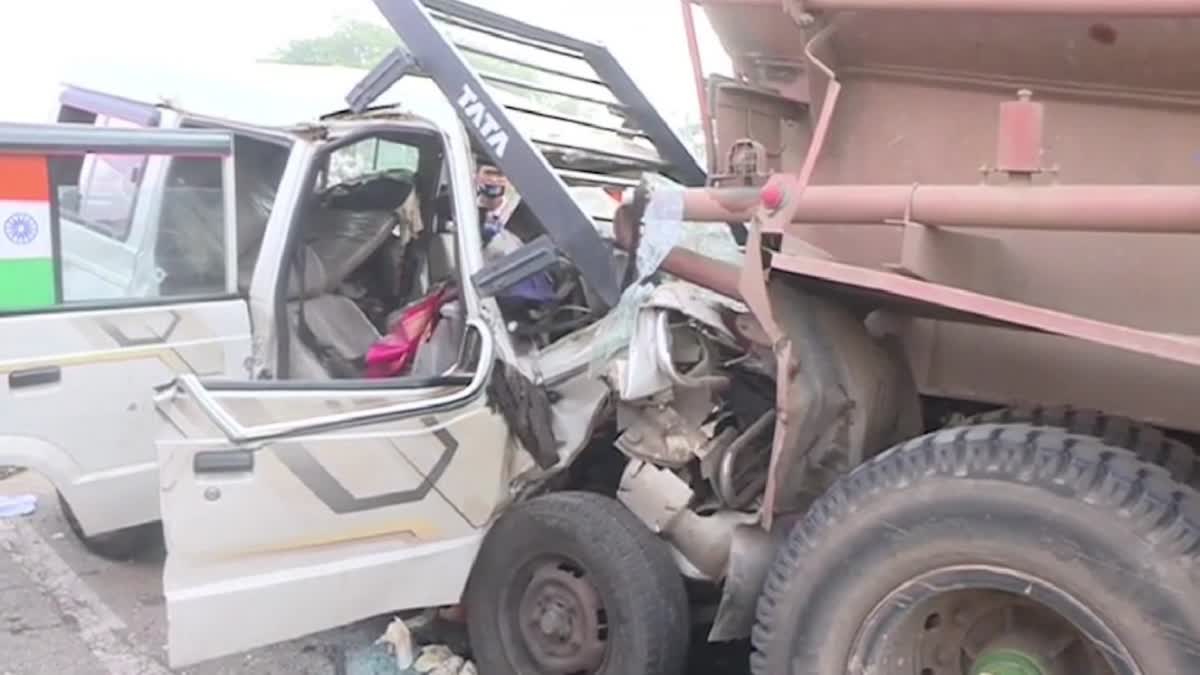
[975, 220]
[999, 153]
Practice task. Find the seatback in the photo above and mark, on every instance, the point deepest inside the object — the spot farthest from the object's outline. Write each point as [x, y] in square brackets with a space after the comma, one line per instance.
[342, 234]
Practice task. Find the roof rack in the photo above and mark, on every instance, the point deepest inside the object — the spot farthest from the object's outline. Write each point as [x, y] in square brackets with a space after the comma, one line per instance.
[586, 116]
[556, 73]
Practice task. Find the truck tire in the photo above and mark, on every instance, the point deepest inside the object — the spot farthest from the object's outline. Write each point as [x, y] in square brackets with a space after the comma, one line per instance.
[574, 583]
[989, 549]
[1148, 442]
[119, 545]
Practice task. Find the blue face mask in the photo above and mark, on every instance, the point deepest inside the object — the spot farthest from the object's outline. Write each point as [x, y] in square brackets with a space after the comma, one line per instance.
[491, 191]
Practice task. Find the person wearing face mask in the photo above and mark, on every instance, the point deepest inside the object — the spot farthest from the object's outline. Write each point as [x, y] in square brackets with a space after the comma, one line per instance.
[492, 189]
[495, 209]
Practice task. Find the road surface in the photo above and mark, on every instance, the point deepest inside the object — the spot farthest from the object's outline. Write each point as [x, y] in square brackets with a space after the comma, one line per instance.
[64, 611]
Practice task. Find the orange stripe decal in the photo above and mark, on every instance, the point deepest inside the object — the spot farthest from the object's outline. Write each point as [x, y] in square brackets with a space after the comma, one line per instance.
[24, 178]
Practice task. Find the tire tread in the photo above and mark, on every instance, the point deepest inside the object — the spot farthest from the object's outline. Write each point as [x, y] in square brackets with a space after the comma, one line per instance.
[1119, 482]
[1148, 442]
[649, 571]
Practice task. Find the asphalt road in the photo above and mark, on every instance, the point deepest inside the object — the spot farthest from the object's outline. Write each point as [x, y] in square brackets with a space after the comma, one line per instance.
[64, 611]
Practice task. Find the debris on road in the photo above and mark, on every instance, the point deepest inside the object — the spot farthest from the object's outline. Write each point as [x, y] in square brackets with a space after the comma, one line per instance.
[439, 660]
[399, 643]
[397, 651]
[17, 505]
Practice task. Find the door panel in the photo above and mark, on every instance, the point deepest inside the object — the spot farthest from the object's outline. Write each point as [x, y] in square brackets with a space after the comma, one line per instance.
[98, 369]
[333, 505]
[316, 488]
[308, 594]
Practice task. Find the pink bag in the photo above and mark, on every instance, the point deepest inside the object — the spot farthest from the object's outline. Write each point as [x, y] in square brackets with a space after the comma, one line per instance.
[394, 353]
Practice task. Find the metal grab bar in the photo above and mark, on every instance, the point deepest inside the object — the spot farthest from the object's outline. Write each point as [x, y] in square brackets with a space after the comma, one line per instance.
[237, 433]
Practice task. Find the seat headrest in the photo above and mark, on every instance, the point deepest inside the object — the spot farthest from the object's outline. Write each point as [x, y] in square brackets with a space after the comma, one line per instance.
[351, 225]
[343, 240]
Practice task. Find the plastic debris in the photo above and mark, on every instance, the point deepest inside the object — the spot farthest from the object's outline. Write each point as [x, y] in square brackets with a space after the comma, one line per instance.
[399, 641]
[433, 656]
[17, 505]
[440, 660]
[413, 646]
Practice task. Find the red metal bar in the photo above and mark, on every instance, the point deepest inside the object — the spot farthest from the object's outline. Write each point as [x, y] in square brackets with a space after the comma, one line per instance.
[1095, 208]
[1164, 8]
[715, 275]
[1179, 348]
[786, 212]
[706, 121]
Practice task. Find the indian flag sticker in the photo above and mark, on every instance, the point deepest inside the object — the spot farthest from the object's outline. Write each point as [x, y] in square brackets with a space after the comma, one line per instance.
[27, 272]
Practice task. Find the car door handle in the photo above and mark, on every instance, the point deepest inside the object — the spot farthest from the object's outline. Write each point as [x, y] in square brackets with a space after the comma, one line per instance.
[224, 461]
[34, 377]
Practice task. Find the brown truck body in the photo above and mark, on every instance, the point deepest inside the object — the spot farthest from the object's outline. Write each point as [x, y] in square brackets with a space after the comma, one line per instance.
[1015, 183]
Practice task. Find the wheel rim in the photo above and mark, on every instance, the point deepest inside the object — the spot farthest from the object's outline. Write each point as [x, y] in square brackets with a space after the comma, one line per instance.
[561, 619]
[994, 633]
[1007, 662]
[975, 622]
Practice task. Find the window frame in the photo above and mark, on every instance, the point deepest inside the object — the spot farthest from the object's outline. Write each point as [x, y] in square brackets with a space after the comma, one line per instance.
[229, 222]
[89, 169]
[431, 160]
[148, 210]
[327, 180]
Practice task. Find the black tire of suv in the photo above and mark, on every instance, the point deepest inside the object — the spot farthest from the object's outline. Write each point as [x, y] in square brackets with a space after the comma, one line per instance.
[631, 570]
[119, 545]
[1148, 442]
[1090, 522]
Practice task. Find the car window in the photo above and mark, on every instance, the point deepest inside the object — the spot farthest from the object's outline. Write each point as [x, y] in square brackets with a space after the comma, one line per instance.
[189, 251]
[370, 156]
[181, 254]
[108, 188]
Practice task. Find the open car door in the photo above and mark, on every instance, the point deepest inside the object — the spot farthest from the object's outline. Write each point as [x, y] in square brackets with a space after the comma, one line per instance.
[291, 507]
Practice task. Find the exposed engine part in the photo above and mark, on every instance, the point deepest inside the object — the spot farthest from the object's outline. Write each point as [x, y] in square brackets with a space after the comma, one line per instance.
[742, 473]
[700, 374]
[710, 455]
[667, 431]
[679, 324]
[706, 541]
[660, 499]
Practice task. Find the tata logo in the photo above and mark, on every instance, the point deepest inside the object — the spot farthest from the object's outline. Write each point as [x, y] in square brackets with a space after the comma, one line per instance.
[493, 134]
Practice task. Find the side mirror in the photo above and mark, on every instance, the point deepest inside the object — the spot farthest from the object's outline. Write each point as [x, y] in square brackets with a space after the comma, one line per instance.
[507, 271]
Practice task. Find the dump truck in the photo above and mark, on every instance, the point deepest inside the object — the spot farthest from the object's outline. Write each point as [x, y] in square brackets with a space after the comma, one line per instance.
[996, 200]
[891, 432]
